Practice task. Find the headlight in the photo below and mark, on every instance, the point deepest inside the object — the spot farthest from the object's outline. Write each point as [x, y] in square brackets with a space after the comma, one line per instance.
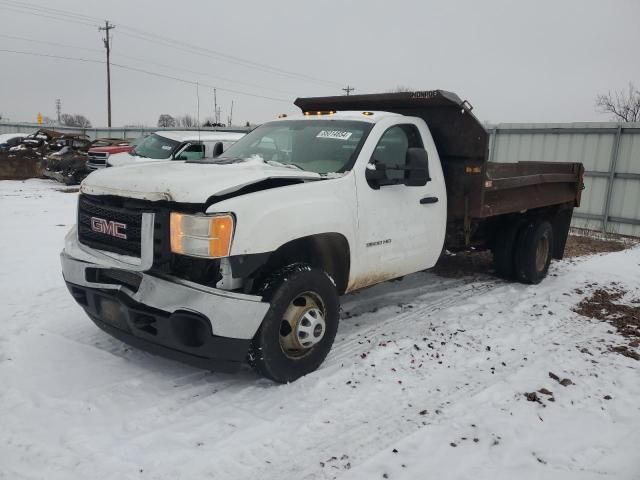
[201, 235]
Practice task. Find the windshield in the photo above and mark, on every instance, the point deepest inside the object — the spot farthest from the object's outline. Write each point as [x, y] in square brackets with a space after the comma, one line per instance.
[155, 146]
[321, 146]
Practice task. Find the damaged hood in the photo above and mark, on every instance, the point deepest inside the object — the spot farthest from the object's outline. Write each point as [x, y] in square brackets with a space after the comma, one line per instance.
[184, 182]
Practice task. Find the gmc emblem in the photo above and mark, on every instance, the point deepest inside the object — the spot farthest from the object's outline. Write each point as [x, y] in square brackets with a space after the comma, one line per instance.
[115, 229]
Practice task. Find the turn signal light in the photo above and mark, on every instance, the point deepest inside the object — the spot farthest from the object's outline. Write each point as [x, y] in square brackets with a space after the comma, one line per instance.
[201, 235]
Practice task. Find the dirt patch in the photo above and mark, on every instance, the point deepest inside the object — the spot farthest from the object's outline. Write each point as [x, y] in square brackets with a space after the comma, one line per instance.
[606, 304]
[462, 264]
[21, 165]
[580, 245]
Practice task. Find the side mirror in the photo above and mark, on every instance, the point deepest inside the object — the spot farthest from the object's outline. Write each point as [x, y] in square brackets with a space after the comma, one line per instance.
[376, 174]
[218, 148]
[417, 168]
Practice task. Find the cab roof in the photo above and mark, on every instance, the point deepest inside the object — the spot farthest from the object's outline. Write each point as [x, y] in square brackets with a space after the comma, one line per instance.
[457, 133]
[354, 115]
[204, 135]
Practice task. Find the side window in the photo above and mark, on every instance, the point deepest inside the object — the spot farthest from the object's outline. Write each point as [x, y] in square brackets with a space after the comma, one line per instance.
[195, 151]
[391, 150]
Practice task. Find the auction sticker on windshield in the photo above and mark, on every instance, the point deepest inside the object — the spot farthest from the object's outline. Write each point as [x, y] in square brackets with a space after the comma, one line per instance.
[335, 134]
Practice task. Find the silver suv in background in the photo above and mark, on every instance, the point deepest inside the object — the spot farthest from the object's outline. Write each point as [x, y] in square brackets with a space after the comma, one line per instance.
[177, 145]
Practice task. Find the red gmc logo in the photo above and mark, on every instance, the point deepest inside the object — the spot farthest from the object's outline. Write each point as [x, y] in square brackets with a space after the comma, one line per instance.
[115, 229]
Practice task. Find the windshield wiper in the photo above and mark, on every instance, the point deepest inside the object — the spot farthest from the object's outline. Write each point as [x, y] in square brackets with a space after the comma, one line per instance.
[286, 165]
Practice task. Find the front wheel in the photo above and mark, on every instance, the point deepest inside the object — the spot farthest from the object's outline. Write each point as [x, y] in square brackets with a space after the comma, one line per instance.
[299, 328]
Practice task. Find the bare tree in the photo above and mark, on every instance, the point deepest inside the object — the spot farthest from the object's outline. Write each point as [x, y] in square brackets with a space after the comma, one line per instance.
[75, 120]
[187, 121]
[623, 106]
[400, 89]
[211, 122]
[166, 121]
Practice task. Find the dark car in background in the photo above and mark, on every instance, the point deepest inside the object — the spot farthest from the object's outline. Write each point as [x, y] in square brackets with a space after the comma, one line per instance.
[8, 140]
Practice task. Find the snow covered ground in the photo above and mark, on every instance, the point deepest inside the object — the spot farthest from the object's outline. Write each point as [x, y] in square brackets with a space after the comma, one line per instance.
[426, 380]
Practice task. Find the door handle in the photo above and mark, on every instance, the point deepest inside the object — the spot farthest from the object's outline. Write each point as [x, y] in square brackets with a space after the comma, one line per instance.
[428, 200]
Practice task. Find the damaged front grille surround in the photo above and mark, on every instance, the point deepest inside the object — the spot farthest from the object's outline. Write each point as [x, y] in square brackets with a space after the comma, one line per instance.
[136, 251]
[153, 252]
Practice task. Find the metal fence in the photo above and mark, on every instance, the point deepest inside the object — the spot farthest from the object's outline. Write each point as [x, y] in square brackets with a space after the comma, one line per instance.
[104, 132]
[610, 153]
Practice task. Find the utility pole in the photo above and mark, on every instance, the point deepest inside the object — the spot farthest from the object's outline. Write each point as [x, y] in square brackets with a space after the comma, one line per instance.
[216, 109]
[107, 45]
[58, 109]
[230, 117]
[348, 90]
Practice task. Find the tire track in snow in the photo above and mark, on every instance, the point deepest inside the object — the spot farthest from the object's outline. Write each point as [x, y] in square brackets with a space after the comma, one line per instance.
[383, 422]
[344, 348]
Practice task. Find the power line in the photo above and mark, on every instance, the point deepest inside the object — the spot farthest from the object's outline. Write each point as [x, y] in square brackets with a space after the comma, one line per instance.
[145, 60]
[51, 11]
[191, 82]
[62, 19]
[148, 72]
[61, 57]
[206, 52]
[154, 38]
[46, 42]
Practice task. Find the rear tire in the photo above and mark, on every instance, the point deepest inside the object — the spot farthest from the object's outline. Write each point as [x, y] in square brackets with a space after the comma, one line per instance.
[504, 251]
[533, 252]
[299, 328]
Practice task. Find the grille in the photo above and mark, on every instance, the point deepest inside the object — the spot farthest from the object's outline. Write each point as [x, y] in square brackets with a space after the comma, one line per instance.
[97, 158]
[103, 241]
[114, 277]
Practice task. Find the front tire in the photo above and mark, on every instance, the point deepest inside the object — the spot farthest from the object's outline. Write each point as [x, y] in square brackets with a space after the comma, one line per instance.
[300, 326]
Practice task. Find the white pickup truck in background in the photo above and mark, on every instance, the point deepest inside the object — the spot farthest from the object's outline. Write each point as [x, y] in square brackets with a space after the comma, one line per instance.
[176, 145]
[243, 257]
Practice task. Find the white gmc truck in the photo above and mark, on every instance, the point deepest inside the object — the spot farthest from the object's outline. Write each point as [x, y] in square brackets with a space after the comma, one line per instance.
[243, 258]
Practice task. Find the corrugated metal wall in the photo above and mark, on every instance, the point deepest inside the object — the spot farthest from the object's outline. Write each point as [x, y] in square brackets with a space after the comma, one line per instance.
[610, 153]
[101, 132]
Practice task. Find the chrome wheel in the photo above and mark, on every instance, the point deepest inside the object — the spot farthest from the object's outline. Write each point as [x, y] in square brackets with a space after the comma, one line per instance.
[303, 325]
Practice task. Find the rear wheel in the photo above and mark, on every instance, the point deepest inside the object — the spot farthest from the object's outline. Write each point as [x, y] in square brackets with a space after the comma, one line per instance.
[503, 250]
[298, 330]
[533, 251]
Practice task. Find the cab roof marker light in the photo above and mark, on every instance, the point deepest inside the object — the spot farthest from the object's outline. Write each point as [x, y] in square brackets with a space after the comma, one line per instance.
[367, 113]
[319, 112]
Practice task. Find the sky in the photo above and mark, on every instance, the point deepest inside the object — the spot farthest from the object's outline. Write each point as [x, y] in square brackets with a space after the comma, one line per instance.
[515, 61]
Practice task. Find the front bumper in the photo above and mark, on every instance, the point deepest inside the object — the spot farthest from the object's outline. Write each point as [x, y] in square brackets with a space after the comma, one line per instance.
[165, 315]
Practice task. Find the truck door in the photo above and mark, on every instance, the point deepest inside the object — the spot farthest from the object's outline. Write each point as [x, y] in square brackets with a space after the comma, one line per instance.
[401, 228]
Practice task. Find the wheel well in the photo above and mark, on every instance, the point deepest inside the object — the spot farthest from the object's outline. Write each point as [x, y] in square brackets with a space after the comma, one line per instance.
[558, 215]
[327, 251]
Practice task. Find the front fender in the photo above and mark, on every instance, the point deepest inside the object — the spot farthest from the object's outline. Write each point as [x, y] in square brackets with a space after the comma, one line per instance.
[267, 219]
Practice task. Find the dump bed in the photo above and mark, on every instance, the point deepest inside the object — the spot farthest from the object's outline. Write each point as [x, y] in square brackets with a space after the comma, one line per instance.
[476, 188]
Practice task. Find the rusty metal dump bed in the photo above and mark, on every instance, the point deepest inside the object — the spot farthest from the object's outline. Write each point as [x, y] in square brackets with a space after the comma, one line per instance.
[476, 188]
